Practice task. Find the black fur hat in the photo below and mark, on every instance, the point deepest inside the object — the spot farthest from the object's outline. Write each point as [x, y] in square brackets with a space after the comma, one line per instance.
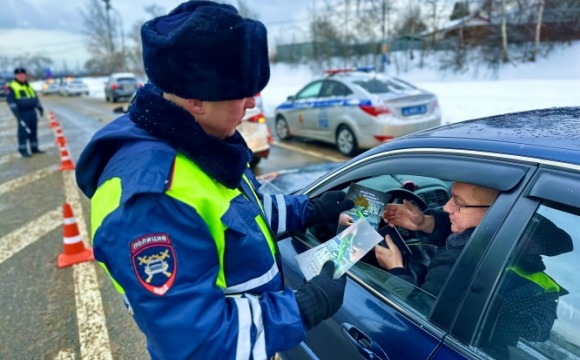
[206, 51]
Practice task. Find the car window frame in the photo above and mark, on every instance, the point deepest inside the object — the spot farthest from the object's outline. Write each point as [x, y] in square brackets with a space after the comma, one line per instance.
[441, 317]
[306, 87]
[327, 83]
[470, 316]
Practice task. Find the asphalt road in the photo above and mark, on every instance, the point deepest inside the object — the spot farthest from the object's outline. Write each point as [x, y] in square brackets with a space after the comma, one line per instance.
[74, 312]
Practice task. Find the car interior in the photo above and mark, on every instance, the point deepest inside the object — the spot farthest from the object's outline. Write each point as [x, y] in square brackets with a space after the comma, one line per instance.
[428, 187]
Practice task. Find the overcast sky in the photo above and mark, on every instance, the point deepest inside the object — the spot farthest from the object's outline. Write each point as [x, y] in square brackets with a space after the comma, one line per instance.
[54, 27]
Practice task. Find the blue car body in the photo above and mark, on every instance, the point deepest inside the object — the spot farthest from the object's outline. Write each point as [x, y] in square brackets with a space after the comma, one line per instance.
[533, 159]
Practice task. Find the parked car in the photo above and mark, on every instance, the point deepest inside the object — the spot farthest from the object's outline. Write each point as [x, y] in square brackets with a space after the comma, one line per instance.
[50, 87]
[253, 128]
[356, 109]
[533, 159]
[257, 134]
[3, 88]
[121, 86]
[74, 87]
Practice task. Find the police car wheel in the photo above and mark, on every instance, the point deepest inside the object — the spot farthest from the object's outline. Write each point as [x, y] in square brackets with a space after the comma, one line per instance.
[282, 130]
[345, 141]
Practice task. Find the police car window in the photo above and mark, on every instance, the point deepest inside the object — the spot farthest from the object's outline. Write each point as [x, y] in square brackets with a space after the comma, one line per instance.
[334, 88]
[374, 86]
[535, 310]
[310, 91]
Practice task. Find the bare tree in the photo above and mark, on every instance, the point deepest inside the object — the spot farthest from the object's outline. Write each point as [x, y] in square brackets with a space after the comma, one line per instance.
[103, 60]
[134, 53]
[325, 37]
[438, 15]
[538, 29]
[504, 36]
[35, 64]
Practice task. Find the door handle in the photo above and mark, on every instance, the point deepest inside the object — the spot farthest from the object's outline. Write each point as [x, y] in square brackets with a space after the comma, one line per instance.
[364, 344]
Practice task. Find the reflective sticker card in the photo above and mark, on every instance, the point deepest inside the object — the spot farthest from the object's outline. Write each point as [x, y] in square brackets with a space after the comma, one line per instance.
[345, 249]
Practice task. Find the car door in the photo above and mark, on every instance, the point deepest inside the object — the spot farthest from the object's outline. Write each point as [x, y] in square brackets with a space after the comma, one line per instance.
[378, 319]
[330, 105]
[524, 302]
[304, 112]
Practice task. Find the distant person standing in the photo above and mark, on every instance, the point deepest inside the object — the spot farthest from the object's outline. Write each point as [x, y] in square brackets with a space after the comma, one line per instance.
[23, 102]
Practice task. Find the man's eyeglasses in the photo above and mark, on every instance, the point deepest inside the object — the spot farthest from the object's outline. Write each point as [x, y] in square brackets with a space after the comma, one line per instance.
[459, 206]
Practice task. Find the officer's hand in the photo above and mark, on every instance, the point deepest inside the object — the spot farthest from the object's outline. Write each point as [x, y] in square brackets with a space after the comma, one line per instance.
[41, 112]
[328, 207]
[321, 297]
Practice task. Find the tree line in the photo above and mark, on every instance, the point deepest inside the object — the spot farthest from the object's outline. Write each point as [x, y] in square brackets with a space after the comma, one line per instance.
[351, 32]
[463, 32]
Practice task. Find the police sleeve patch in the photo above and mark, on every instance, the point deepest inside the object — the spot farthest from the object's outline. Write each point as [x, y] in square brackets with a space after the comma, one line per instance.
[154, 262]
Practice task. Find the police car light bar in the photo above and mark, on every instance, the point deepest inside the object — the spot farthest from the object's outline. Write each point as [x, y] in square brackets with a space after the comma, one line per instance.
[337, 71]
[360, 68]
[366, 68]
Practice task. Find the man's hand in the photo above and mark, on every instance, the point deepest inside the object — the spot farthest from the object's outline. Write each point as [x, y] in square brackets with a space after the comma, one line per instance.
[345, 219]
[41, 112]
[406, 215]
[389, 258]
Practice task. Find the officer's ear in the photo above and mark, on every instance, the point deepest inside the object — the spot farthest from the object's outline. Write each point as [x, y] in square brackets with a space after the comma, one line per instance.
[195, 106]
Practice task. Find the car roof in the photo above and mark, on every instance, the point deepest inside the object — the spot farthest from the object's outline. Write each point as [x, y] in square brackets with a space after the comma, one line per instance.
[350, 76]
[549, 134]
[123, 74]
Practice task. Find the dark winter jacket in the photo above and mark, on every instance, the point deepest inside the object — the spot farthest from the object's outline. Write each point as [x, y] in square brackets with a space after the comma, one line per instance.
[194, 255]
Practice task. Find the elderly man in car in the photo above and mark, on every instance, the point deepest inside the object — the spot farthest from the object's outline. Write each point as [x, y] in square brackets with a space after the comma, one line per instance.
[450, 230]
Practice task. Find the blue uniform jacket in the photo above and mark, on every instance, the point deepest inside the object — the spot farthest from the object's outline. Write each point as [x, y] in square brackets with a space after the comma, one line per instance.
[25, 103]
[194, 318]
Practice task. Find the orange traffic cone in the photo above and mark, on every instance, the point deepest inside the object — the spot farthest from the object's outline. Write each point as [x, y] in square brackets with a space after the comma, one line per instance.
[270, 138]
[53, 123]
[74, 250]
[65, 160]
[60, 139]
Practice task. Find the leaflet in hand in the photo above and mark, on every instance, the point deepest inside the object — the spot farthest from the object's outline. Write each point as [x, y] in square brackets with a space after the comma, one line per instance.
[345, 249]
[368, 203]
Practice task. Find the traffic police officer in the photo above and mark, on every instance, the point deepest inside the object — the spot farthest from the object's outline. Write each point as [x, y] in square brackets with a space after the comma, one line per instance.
[23, 102]
[177, 221]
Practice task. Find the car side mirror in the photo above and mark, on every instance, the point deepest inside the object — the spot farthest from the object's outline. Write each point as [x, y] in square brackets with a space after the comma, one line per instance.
[291, 98]
[119, 110]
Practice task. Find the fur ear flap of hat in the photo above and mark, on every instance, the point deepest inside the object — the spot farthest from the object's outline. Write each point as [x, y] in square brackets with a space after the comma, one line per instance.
[206, 51]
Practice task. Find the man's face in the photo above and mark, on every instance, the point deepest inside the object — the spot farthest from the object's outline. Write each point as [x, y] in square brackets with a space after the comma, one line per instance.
[220, 118]
[21, 77]
[465, 194]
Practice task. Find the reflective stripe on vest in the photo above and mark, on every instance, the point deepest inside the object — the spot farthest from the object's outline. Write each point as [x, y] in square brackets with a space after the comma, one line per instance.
[211, 205]
[539, 278]
[105, 200]
[18, 87]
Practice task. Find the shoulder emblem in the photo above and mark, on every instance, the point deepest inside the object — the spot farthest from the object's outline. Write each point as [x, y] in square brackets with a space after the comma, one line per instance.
[154, 262]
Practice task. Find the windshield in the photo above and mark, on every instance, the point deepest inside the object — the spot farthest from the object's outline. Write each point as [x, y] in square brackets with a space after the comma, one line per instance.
[127, 80]
[378, 86]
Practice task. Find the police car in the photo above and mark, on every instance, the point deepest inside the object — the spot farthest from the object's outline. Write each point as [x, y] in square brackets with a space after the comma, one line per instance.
[356, 109]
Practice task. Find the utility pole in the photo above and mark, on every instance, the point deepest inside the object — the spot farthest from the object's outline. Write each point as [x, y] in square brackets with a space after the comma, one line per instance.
[384, 47]
[108, 8]
[123, 53]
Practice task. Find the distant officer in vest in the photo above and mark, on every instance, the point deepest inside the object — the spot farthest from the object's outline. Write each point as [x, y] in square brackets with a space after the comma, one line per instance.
[24, 103]
[176, 217]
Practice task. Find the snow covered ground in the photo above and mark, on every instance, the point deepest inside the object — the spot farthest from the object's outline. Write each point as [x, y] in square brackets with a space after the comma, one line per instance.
[549, 82]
